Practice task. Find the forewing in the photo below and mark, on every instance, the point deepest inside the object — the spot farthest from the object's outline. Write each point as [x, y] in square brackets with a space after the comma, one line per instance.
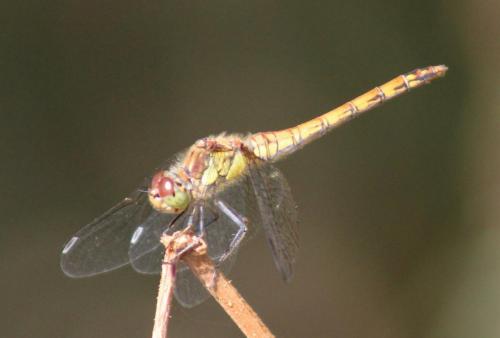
[103, 244]
[279, 216]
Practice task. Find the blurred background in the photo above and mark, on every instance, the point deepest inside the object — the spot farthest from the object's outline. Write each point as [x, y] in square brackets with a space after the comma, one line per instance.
[399, 209]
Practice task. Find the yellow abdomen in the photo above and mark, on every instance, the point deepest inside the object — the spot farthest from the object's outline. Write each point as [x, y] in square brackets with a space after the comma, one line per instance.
[273, 145]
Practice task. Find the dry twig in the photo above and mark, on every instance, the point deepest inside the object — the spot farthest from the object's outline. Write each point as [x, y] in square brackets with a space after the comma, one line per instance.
[194, 254]
[166, 290]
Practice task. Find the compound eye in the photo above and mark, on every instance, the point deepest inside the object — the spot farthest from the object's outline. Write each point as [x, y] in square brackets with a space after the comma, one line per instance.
[163, 185]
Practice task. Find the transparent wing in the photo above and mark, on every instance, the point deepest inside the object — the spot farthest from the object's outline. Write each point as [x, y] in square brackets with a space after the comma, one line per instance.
[103, 244]
[145, 251]
[279, 216]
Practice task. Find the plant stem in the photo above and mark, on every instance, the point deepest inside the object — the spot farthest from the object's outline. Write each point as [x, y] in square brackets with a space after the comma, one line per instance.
[165, 292]
[193, 251]
[225, 293]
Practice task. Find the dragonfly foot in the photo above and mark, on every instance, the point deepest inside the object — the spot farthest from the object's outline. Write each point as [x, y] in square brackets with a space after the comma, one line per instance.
[196, 241]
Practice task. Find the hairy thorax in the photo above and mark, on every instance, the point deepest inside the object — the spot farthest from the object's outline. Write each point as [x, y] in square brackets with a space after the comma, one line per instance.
[214, 162]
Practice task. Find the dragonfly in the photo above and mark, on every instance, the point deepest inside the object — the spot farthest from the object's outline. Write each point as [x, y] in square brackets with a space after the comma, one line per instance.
[224, 188]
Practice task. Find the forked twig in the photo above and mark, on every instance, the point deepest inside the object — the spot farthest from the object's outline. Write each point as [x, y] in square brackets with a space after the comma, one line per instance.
[194, 254]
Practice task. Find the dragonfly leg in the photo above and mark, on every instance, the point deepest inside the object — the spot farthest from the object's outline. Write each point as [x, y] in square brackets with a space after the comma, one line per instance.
[240, 221]
[197, 220]
[206, 217]
[195, 243]
[174, 220]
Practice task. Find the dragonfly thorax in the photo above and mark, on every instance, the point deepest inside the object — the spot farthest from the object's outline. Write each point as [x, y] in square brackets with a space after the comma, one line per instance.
[214, 162]
[167, 195]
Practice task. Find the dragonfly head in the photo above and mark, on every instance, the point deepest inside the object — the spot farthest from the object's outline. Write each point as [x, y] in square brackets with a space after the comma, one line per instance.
[167, 195]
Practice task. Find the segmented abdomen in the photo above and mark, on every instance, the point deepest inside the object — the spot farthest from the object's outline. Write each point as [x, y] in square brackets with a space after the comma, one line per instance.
[273, 145]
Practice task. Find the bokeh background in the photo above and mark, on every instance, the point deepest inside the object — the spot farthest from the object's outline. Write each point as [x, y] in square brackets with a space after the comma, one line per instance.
[399, 209]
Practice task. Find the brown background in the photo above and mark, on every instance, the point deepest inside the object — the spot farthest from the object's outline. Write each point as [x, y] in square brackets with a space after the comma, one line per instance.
[399, 209]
